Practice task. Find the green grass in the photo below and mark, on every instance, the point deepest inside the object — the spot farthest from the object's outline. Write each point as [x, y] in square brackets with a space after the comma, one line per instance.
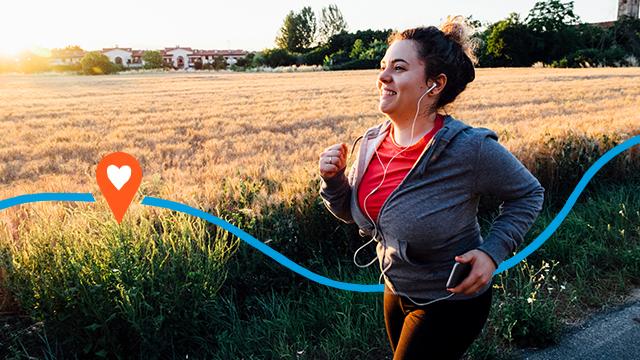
[141, 288]
[175, 286]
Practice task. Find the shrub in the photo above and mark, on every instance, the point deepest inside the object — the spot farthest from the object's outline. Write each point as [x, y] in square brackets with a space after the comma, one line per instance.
[585, 58]
[614, 56]
[96, 63]
[245, 62]
[357, 64]
[277, 57]
[219, 62]
[336, 58]
[152, 59]
[316, 56]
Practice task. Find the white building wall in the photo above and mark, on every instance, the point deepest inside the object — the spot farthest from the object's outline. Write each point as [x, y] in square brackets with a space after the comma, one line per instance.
[177, 53]
[123, 54]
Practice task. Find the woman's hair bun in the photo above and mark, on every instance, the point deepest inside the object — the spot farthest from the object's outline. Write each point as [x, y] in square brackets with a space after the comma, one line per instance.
[458, 29]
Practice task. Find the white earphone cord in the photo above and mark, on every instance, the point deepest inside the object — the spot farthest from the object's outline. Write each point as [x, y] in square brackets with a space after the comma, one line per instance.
[375, 229]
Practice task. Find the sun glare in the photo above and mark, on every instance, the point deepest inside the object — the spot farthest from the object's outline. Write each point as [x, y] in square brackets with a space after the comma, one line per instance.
[17, 51]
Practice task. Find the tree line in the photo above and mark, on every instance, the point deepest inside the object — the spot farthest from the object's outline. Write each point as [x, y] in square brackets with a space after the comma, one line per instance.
[551, 34]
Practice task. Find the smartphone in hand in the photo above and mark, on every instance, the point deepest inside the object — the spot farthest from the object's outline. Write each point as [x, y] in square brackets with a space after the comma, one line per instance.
[459, 272]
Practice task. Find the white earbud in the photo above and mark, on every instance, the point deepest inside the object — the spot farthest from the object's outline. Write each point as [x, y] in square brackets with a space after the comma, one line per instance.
[432, 87]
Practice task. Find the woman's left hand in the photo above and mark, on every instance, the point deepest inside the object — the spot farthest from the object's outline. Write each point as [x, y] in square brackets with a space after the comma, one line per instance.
[482, 268]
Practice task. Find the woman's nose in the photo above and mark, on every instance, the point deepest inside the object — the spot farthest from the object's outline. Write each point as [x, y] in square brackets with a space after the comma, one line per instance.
[384, 77]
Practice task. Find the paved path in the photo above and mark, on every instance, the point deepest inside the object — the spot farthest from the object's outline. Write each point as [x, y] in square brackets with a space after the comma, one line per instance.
[611, 335]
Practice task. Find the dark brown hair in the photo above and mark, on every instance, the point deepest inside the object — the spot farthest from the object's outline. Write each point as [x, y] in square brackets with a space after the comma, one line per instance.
[448, 51]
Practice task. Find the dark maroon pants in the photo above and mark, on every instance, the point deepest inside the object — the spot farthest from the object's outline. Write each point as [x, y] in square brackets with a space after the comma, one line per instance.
[442, 330]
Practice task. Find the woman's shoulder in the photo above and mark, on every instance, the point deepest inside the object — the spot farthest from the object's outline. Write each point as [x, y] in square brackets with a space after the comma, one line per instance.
[470, 133]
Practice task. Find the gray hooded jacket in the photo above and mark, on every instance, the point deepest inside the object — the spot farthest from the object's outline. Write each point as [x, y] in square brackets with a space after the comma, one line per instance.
[431, 216]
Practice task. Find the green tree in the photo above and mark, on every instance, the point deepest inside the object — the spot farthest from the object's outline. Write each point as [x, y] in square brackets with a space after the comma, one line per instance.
[508, 42]
[258, 59]
[375, 51]
[307, 27]
[593, 37]
[551, 15]
[553, 24]
[331, 23]
[626, 33]
[298, 31]
[289, 38]
[219, 62]
[357, 49]
[152, 59]
[96, 63]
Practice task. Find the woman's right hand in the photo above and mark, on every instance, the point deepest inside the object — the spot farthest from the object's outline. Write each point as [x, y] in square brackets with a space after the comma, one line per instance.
[332, 160]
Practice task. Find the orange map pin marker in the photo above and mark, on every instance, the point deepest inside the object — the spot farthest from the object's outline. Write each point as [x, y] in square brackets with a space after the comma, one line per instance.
[119, 176]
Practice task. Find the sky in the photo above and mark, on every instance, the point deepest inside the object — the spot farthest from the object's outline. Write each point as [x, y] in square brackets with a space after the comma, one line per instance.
[246, 24]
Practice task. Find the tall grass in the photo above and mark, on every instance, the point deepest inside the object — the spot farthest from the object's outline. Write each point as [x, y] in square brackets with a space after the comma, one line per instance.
[110, 290]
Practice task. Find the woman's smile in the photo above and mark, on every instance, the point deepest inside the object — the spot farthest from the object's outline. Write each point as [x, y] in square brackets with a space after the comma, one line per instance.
[387, 94]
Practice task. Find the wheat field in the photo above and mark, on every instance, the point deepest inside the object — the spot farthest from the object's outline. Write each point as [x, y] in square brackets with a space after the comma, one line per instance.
[190, 131]
[194, 133]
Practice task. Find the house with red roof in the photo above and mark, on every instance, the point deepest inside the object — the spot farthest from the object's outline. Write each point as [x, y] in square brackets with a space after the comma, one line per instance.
[178, 57]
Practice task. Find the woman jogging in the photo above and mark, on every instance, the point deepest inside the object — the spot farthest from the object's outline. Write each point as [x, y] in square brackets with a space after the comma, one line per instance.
[415, 187]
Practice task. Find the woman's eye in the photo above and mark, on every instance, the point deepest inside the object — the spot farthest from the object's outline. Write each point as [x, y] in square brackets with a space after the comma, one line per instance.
[398, 68]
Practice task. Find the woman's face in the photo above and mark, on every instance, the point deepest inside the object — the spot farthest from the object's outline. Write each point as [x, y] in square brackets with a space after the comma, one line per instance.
[401, 81]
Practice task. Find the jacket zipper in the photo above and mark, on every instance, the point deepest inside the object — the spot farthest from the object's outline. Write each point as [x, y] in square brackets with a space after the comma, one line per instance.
[430, 147]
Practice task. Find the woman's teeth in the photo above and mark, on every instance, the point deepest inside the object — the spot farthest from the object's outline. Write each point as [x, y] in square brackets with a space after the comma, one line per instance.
[388, 92]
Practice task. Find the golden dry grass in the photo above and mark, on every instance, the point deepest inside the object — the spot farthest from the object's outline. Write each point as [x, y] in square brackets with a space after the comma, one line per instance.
[190, 131]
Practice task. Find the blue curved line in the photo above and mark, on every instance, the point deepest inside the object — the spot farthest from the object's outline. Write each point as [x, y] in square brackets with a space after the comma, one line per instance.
[555, 223]
[32, 198]
[505, 265]
[286, 262]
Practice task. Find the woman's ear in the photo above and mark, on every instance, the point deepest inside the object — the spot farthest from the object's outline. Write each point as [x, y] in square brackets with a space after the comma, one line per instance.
[441, 81]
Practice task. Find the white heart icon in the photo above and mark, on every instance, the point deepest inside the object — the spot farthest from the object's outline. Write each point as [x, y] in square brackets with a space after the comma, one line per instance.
[118, 175]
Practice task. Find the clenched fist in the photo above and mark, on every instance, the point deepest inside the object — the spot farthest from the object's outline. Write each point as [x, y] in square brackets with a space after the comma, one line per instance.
[332, 160]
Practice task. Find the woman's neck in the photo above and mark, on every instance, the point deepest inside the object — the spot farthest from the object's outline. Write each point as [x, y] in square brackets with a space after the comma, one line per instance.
[402, 129]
